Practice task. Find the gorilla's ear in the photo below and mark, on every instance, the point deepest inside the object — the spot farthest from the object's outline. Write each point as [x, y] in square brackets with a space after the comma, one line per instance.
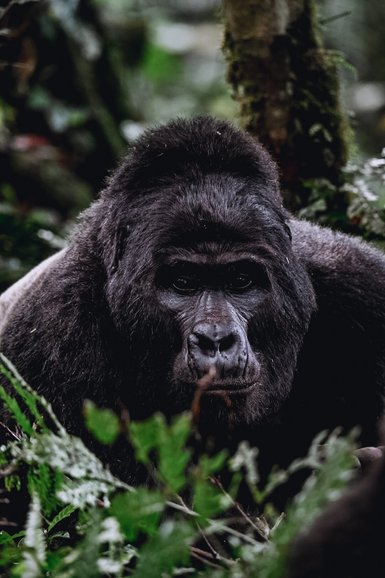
[288, 230]
[116, 251]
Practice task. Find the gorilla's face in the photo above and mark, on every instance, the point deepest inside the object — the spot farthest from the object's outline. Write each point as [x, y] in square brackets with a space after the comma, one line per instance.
[219, 291]
[214, 295]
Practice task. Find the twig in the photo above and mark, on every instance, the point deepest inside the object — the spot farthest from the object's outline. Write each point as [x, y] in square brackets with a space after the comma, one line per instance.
[7, 471]
[203, 556]
[259, 526]
[202, 384]
[5, 522]
[281, 517]
[329, 19]
[217, 525]
[217, 556]
[14, 434]
[183, 509]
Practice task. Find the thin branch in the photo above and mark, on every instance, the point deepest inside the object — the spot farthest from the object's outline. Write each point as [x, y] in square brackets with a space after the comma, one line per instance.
[217, 525]
[11, 432]
[329, 19]
[183, 509]
[7, 471]
[259, 525]
[204, 557]
[202, 384]
[217, 556]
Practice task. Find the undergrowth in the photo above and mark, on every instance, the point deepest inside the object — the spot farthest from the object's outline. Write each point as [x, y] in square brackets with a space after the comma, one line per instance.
[81, 521]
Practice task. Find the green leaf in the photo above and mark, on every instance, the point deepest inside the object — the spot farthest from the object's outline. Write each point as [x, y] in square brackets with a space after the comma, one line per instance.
[36, 404]
[208, 500]
[62, 515]
[20, 387]
[6, 538]
[42, 481]
[160, 65]
[168, 442]
[145, 436]
[81, 561]
[16, 411]
[102, 423]
[173, 455]
[173, 462]
[138, 511]
[212, 465]
[332, 461]
[12, 482]
[165, 550]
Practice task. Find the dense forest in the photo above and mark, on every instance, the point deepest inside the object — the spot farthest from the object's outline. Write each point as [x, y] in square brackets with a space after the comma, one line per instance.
[80, 82]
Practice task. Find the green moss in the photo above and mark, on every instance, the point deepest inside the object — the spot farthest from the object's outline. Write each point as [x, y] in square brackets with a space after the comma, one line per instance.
[288, 91]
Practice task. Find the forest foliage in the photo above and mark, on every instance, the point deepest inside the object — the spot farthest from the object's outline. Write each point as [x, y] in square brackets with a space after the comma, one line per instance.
[80, 80]
[78, 83]
[83, 521]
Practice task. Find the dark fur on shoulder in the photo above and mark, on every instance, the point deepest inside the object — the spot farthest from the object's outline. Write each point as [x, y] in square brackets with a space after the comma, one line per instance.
[100, 322]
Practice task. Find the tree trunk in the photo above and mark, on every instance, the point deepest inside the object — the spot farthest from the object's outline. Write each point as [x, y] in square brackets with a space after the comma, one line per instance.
[287, 88]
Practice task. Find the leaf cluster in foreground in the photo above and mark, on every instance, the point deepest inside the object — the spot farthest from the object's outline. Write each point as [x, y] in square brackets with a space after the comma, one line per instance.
[83, 521]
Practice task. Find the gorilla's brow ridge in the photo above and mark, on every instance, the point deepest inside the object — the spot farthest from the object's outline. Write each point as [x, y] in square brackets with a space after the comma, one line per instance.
[216, 252]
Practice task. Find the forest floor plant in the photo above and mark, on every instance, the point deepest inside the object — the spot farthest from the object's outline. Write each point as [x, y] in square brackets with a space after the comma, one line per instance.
[82, 521]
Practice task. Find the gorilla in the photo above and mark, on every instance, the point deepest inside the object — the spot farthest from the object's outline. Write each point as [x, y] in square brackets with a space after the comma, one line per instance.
[188, 264]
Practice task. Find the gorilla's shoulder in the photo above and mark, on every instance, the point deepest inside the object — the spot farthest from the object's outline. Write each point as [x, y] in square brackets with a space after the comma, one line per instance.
[342, 267]
[321, 248]
[34, 280]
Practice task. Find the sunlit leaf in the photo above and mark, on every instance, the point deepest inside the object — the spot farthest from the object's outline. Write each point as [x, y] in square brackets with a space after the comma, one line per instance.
[138, 511]
[102, 423]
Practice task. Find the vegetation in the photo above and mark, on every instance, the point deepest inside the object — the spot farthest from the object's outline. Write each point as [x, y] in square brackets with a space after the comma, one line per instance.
[82, 521]
[288, 89]
[78, 82]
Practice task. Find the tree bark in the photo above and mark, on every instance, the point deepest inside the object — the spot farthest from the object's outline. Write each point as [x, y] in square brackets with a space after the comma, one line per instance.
[287, 86]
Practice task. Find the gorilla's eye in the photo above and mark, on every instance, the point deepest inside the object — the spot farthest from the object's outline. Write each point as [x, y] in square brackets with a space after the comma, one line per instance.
[240, 282]
[185, 283]
[180, 277]
[246, 275]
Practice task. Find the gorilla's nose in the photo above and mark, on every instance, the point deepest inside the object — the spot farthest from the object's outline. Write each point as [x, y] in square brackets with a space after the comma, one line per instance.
[217, 345]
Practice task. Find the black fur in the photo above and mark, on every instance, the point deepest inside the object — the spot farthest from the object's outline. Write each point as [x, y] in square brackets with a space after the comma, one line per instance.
[97, 323]
[347, 540]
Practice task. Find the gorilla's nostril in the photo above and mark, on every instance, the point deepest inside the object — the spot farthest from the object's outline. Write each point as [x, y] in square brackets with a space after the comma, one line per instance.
[226, 343]
[205, 344]
[212, 345]
[218, 344]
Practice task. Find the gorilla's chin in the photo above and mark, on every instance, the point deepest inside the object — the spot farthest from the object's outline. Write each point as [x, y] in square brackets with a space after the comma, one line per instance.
[227, 409]
[217, 407]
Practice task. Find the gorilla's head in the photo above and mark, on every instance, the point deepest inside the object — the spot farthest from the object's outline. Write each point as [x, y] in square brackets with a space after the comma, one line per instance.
[200, 273]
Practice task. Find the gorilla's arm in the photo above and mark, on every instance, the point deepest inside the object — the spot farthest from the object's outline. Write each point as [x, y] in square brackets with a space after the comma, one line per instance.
[57, 332]
[341, 371]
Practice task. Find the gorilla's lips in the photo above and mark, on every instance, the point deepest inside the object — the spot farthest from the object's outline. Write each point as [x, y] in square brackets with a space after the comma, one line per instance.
[229, 388]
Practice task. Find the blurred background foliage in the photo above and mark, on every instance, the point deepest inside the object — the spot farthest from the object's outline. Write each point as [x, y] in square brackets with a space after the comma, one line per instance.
[80, 80]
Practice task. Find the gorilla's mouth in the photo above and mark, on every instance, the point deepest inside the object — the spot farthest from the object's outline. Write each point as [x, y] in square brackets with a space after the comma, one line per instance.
[219, 388]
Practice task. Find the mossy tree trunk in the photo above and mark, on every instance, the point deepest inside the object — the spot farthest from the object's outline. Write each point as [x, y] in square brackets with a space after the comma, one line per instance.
[287, 87]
